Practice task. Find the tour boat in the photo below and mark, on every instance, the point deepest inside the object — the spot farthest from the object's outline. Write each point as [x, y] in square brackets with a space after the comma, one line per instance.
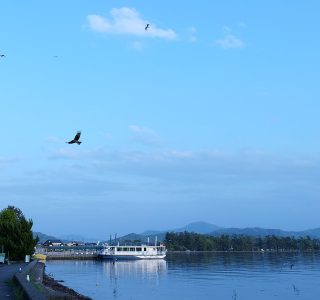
[133, 252]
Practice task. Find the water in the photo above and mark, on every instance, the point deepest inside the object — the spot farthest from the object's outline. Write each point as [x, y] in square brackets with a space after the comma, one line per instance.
[234, 276]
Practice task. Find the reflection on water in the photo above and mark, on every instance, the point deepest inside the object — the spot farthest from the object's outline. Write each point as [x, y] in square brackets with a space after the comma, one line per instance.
[234, 276]
[133, 269]
[136, 268]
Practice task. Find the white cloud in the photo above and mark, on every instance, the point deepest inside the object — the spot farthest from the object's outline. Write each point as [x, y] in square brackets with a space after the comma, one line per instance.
[127, 21]
[98, 23]
[230, 41]
[146, 136]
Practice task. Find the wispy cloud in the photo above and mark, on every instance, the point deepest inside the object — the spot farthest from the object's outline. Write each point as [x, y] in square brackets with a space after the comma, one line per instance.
[212, 178]
[9, 160]
[146, 136]
[192, 31]
[128, 21]
[207, 169]
[230, 41]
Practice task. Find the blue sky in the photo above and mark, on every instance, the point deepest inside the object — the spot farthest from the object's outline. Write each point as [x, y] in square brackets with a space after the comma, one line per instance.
[211, 114]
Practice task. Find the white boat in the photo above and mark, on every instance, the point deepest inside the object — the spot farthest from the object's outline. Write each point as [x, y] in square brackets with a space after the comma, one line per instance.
[133, 252]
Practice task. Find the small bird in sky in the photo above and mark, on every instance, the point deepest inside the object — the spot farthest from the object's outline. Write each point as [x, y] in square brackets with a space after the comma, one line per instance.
[76, 139]
[55, 56]
[2, 55]
[147, 27]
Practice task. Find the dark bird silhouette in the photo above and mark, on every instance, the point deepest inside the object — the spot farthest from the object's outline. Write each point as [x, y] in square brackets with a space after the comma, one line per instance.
[235, 295]
[295, 290]
[147, 27]
[2, 55]
[76, 139]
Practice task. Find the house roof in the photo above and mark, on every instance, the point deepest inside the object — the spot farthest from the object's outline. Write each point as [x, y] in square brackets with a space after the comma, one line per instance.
[53, 241]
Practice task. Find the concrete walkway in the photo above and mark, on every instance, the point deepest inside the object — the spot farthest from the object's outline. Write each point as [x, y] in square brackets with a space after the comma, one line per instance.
[6, 274]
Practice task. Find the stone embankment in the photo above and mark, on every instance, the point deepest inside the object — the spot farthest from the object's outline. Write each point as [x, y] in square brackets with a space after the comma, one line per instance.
[35, 285]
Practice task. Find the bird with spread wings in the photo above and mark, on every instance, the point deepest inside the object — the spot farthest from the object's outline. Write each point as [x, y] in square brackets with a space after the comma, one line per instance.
[75, 139]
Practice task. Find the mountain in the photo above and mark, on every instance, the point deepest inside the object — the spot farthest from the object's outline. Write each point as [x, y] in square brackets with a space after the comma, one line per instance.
[314, 233]
[251, 231]
[65, 238]
[78, 238]
[207, 228]
[152, 232]
[256, 231]
[198, 227]
[143, 238]
[43, 237]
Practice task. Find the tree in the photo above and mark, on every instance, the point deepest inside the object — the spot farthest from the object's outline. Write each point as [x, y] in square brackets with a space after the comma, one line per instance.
[16, 233]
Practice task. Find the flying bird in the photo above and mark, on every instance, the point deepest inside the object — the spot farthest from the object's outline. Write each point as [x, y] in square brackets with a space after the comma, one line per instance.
[76, 139]
[2, 55]
[146, 27]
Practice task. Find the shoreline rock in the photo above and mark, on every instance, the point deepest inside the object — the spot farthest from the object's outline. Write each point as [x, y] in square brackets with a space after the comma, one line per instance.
[55, 285]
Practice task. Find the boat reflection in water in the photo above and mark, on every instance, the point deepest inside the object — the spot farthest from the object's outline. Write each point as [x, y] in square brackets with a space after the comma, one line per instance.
[124, 274]
[128, 268]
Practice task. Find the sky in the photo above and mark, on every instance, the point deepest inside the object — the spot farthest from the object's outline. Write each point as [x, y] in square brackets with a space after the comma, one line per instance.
[211, 114]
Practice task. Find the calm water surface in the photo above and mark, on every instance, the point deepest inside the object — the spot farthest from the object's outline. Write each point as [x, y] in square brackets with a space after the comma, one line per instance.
[235, 276]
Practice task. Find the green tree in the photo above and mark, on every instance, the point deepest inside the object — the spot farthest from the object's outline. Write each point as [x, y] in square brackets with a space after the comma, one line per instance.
[16, 233]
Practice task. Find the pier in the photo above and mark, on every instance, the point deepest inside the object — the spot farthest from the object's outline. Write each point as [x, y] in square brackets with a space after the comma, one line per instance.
[70, 252]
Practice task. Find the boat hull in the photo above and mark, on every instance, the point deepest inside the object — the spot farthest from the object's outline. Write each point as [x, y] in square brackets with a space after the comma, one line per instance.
[130, 257]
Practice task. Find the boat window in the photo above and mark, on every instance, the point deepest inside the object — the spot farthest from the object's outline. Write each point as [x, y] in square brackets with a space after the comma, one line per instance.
[132, 249]
[139, 249]
[144, 249]
[119, 249]
[125, 249]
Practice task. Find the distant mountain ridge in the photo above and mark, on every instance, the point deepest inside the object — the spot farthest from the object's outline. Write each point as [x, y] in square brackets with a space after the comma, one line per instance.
[214, 230]
[257, 231]
[64, 238]
[197, 227]
[77, 238]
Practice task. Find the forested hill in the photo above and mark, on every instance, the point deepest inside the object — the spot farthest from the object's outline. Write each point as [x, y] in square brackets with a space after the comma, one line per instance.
[198, 242]
[43, 237]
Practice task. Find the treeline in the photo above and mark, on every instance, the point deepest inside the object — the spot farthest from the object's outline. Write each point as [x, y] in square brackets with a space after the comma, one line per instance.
[16, 238]
[183, 241]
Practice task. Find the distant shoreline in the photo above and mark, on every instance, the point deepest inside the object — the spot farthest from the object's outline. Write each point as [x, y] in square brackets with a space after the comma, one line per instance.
[96, 257]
